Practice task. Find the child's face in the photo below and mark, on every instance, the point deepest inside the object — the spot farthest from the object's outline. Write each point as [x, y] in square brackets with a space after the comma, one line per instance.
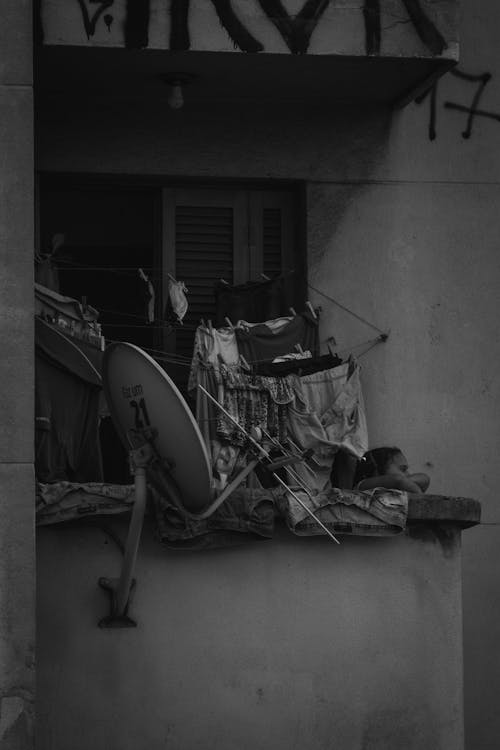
[397, 465]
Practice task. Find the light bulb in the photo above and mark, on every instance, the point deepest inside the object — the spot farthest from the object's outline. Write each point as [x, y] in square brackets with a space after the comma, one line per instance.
[176, 99]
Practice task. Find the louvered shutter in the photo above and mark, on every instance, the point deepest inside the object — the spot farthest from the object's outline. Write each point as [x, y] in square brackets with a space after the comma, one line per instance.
[272, 241]
[204, 254]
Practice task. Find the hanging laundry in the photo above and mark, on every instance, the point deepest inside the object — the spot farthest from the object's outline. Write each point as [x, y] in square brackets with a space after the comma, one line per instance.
[177, 297]
[304, 366]
[254, 402]
[262, 342]
[211, 347]
[67, 404]
[328, 415]
[255, 300]
[46, 270]
[150, 296]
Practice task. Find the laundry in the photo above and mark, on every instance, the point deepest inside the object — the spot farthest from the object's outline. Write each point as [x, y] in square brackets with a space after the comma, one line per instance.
[328, 415]
[379, 512]
[68, 501]
[177, 297]
[212, 347]
[255, 300]
[298, 365]
[254, 402]
[246, 515]
[261, 343]
[150, 294]
[67, 404]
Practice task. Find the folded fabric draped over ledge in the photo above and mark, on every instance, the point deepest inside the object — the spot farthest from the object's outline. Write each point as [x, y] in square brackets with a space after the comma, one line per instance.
[251, 514]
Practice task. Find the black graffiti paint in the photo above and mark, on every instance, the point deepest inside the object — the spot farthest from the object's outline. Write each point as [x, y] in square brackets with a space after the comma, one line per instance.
[426, 30]
[137, 24]
[179, 34]
[90, 21]
[296, 30]
[472, 111]
[432, 94]
[371, 15]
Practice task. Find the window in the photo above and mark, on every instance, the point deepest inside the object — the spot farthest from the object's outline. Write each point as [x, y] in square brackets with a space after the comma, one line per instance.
[198, 234]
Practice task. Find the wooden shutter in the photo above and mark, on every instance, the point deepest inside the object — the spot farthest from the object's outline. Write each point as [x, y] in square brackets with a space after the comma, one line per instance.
[205, 239]
[271, 233]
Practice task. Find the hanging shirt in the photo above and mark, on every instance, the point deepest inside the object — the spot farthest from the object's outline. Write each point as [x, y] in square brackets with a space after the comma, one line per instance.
[255, 300]
[262, 342]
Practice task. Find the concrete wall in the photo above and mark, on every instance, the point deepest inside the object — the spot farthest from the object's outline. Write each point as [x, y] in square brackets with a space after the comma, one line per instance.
[280, 644]
[401, 228]
[16, 372]
[336, 27]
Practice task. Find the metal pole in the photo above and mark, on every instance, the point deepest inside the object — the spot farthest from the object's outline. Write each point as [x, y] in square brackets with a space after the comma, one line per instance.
[133, 538]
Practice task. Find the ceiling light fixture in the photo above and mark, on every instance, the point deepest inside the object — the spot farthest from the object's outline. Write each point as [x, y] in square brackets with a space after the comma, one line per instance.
[177, 83]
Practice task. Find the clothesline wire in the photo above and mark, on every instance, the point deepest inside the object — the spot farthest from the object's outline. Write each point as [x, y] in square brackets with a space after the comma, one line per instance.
[180, 359]
[347, 310]
[129, 271]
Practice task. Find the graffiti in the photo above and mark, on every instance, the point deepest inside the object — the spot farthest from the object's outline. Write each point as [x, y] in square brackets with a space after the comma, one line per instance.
[136, 24]
[473, 111]
[90, 21]
[426, 30]
[296, 30]
[371, 15]
[240, 36]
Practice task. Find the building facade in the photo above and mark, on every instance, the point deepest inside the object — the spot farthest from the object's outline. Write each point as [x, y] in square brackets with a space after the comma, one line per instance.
[377, 140]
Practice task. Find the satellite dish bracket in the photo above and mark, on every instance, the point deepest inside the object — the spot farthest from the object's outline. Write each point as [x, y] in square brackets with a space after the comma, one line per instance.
[120, 589]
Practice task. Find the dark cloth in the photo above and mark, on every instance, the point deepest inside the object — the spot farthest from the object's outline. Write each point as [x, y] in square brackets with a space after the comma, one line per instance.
[306, 366]
[253, 301]
[67, 401]
[260, 343]
[46, 273]
[246, 515]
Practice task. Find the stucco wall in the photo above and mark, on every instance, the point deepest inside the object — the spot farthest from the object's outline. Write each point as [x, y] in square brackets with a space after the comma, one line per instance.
[16, 370]
[401, 228]
[335, 27]
[280, 644]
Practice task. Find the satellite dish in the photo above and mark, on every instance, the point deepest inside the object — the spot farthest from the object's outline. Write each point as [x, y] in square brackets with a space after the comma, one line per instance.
[158, 429]
[143, 400]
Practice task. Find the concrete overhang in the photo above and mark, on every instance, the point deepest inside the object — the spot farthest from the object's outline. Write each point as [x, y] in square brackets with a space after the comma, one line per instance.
[222, 76]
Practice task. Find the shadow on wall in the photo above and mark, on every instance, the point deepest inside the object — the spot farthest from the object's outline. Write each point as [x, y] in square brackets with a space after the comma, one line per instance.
[265, 140]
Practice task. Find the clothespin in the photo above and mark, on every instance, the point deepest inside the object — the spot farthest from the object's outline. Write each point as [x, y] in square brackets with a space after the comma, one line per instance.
[265, 277]
[229, 323]
[84, 304]
[292, 311]
[311, 310]
[172, 278]
[223, 281]
[244, 363]
[202, 322]
[331, 343]
[151, 303]
[298, 348]
[210, 328]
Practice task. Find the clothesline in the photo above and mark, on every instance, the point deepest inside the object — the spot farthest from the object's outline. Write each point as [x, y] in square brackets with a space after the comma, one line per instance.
[347, 310]
[155, 276]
